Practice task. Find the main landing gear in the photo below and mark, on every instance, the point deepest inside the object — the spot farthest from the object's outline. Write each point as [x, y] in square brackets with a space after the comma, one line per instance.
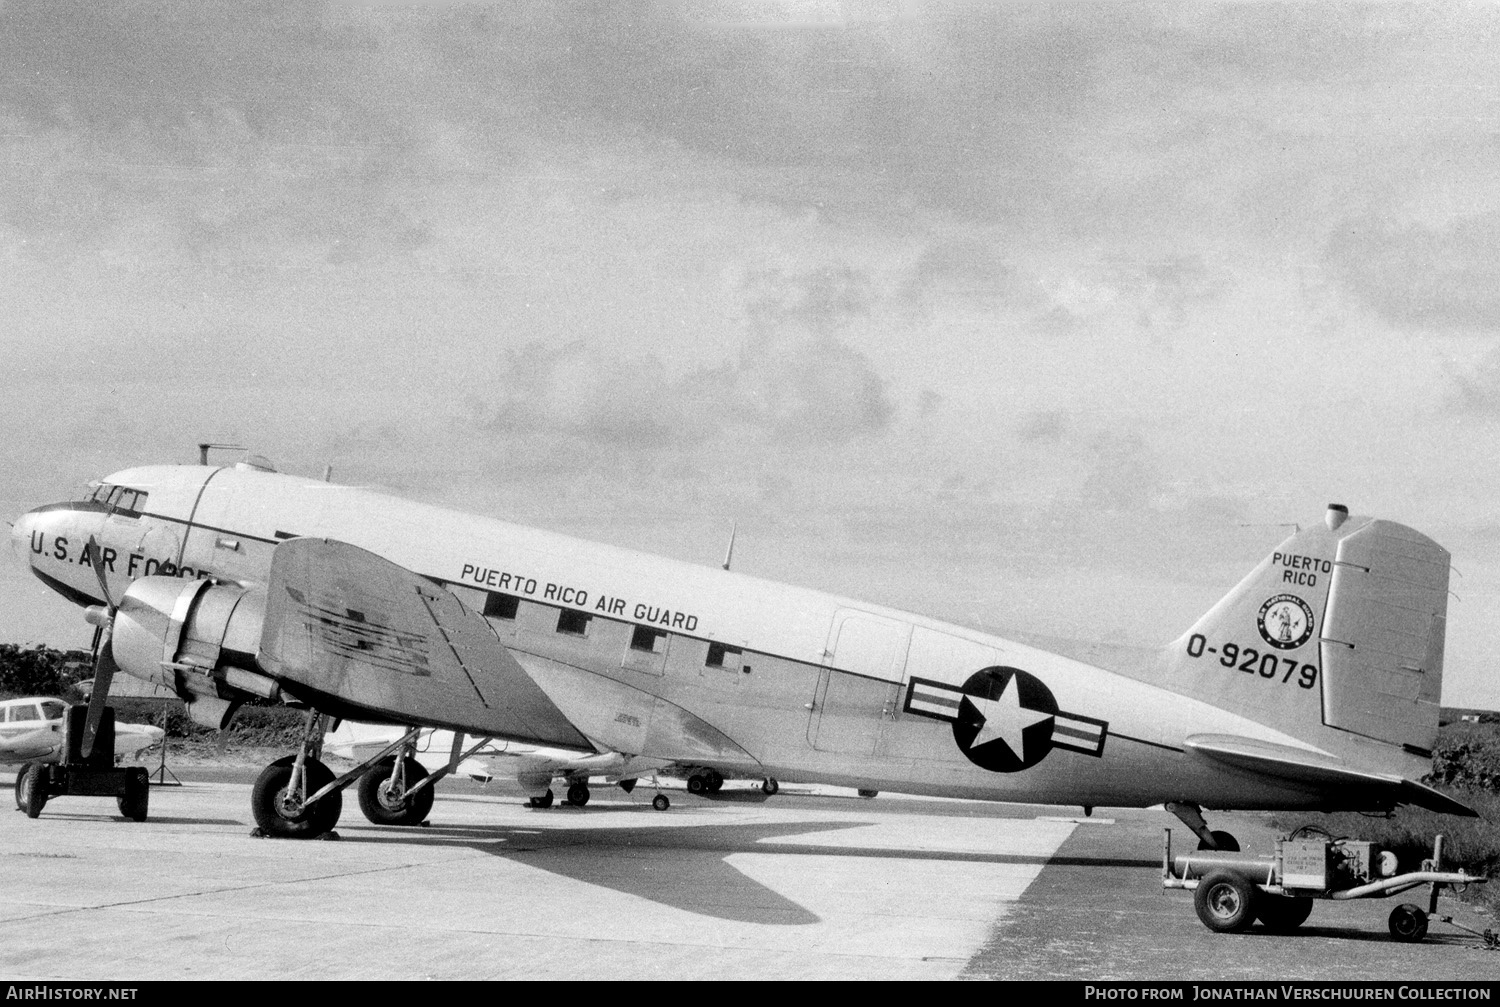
[298, 797]
[705, 781]
[1208, 839]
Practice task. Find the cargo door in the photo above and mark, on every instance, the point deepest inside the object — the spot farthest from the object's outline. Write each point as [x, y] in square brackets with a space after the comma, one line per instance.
[859, 690]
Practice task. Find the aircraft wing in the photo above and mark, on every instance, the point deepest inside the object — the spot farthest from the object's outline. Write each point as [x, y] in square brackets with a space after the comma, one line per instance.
[348, 624]
[1319, 771]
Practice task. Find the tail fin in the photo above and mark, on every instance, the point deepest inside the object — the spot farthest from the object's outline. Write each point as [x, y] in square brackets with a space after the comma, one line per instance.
[1340, 627]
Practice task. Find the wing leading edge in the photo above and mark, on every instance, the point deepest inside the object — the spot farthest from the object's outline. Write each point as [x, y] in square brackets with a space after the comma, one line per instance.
[1316, 770]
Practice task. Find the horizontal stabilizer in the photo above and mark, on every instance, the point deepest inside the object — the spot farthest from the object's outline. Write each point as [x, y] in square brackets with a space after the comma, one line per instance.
[1317, 770]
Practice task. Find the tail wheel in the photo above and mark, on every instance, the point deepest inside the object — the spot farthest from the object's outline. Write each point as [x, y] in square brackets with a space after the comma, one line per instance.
[280, 813]
[136, 800]
[1223, 842]
[387, 803]
[1283, 913]
[1408, 923]
[1225, 902]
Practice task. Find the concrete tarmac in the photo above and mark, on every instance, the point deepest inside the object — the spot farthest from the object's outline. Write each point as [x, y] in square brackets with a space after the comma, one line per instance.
[805, 885]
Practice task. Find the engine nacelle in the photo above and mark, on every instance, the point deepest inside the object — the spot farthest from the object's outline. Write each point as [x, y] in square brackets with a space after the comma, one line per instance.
[196, 638]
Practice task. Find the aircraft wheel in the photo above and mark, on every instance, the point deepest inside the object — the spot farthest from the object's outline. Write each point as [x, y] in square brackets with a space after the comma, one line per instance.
[661, 802]
[578, 794]
[770, 786]
[626, 785]
[867, 794]
[383, 806]
[275, 815]
[545, 801]
[713, 782]
[137, 797]
[1226, 903]
[21, 775]
[1283, 913]
[1408, 923]
[696, 784]
[1225, 842]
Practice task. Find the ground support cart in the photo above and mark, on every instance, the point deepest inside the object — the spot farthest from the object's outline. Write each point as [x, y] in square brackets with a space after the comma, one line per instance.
[1233, 890]
[94, 776]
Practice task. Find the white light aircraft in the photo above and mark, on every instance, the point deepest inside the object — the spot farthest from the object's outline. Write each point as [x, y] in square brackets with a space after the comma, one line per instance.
[31, 730]
[1313, 684]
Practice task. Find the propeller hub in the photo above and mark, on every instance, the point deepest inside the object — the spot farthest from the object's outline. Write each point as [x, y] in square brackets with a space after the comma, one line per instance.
[96, 615]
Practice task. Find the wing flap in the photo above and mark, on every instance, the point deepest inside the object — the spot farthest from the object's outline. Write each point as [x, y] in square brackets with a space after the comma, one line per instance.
[346, 623]
[1315, 769]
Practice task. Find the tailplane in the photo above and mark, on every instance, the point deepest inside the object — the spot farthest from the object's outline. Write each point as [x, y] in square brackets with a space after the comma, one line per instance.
[1340, 628]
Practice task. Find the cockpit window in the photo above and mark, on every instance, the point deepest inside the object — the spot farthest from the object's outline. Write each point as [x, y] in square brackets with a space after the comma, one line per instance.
[52, 709]
[121, 499]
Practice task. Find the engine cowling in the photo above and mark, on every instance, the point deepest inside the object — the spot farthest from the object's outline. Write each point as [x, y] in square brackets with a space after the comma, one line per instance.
[198, 639]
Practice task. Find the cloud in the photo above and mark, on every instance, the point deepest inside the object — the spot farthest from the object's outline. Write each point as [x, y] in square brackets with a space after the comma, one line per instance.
[1419, 276]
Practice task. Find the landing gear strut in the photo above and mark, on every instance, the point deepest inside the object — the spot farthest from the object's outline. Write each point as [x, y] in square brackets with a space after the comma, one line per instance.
[1208, 839]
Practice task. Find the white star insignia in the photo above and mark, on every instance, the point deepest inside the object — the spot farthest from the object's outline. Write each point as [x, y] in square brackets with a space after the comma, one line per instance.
[1005, 719]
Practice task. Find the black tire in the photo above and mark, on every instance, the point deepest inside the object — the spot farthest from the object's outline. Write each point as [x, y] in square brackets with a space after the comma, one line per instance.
[696, 784]
[136, 800]
[1408, 923]
[578, 794]
[868, 794]
[35, 797]
[381, 808]
[1283, 914]
[307, 823]
[770, 786]
[1225, 842]
[1226, 903]
[21, 775]
[545, 801]
[661, 802]
[713, 782]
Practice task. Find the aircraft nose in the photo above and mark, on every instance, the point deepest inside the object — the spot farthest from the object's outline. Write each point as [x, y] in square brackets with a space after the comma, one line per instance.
[20, 537]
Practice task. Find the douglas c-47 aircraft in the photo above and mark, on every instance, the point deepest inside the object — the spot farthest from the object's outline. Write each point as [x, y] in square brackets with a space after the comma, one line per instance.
[1314, 684]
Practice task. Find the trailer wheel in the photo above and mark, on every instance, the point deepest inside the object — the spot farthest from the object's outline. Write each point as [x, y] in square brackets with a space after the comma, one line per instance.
[1408, 923]
[1225, 902]
[1283, 913]
[21, 775]
[35, 796]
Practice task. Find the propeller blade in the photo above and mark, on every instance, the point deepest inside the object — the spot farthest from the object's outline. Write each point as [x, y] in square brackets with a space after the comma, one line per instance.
[104, 672]
[96, 556]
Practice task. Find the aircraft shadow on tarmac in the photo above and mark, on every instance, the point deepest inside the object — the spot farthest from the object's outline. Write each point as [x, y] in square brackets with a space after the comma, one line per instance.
[81, 816]
[696, 877]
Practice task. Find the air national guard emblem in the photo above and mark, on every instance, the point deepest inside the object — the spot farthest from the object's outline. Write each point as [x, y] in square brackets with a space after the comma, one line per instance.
[1285, 622]
[1004, 719]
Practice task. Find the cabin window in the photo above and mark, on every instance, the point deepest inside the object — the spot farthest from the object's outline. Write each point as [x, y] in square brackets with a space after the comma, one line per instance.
[720, 656]
[647, 639]
[501, 606]
[27, 711]
[569, 621]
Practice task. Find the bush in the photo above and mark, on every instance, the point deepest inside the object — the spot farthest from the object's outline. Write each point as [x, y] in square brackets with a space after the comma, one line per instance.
[40, 671]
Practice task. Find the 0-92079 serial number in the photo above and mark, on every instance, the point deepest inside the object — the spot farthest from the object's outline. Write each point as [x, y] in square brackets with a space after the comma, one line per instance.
[1252, 661]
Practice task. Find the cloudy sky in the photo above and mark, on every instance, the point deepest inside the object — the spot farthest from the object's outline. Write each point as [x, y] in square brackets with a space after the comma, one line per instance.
[1044, 317]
